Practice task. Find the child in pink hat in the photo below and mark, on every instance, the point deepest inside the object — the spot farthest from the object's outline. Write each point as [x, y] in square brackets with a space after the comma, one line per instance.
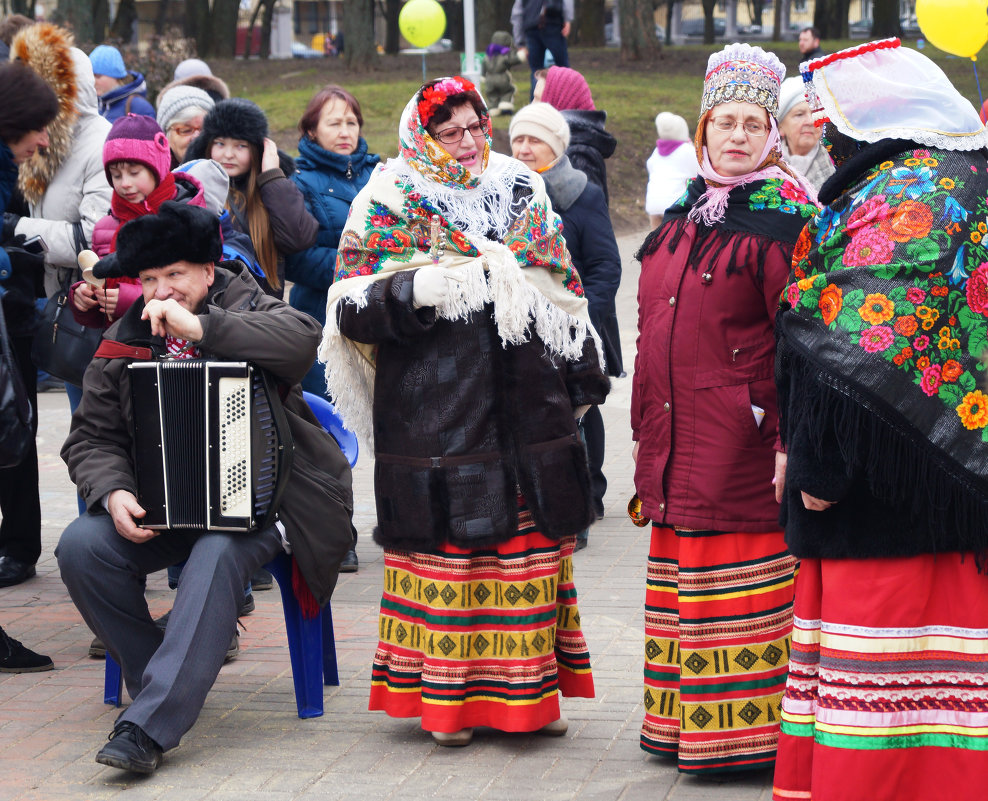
[137, 160]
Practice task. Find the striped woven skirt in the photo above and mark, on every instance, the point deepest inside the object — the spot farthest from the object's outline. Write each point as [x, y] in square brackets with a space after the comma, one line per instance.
[718, 617]
[887, 698]
[481, 638]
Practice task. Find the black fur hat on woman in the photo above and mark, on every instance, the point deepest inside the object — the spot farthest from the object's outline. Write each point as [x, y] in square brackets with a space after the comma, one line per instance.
[236, 118]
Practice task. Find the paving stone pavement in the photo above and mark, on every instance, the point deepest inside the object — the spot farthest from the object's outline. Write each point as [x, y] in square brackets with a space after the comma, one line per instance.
[248, 742]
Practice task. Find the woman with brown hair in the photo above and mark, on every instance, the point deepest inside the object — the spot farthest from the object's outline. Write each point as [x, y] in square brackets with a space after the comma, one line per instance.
[263, 203]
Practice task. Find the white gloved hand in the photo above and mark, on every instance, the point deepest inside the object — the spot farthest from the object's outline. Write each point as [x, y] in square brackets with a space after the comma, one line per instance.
[430, 287]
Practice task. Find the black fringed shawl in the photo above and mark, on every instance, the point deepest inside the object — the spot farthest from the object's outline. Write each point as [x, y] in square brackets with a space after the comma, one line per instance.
[881, 331]
[769, 213]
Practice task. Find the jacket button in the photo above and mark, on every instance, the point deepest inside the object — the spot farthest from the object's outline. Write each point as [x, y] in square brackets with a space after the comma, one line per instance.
[672, 301]
[662, 507]
[666, 406]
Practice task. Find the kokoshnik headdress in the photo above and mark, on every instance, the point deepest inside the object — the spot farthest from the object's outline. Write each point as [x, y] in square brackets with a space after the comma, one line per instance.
[887, 91]
[743, 73]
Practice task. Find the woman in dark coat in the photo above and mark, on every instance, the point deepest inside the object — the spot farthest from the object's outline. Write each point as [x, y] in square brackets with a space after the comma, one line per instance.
[885, 421]
[27, 105]
[457, 332]
[718, 604]
[539, 136]
[333, 165]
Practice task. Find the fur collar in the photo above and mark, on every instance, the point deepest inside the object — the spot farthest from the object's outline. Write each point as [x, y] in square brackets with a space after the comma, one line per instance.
[48, 50]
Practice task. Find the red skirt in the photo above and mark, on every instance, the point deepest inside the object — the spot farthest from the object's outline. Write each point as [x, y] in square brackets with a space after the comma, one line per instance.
[887, 698]
[481, 638]
[718, 616]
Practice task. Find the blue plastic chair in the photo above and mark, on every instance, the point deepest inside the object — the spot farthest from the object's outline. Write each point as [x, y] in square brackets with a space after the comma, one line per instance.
[311, 641]
[329, 419]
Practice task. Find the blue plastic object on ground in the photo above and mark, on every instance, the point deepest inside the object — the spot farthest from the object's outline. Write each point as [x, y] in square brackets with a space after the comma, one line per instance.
[327, 415]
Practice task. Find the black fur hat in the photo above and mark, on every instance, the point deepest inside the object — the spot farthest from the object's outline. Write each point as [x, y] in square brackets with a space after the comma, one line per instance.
[178, 232]
[236, 118]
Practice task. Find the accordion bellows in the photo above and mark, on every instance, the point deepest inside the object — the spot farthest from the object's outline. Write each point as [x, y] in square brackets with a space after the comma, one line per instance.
[212, 448]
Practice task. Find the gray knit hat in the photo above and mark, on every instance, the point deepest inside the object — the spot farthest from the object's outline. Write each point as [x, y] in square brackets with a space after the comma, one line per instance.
[543, 122]
[172, 101]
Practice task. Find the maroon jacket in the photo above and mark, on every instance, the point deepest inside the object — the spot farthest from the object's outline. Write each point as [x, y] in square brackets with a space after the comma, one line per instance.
[706, 351]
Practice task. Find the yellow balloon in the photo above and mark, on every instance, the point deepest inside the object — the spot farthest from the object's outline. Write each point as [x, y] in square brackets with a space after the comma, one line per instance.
[422, 22]
[955, 26]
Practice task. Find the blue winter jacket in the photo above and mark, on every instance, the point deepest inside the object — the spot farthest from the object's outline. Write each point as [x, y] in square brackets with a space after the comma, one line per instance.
[321, 177]
[114, 103]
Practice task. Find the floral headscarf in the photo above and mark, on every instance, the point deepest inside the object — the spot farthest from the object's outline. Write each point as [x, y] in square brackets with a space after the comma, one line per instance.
[425, 154]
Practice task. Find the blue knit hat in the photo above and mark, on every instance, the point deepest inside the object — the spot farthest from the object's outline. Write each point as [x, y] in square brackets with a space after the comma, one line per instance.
[106, 60]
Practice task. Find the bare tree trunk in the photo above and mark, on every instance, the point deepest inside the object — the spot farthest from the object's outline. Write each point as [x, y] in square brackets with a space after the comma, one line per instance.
[197, 23]
[588, 25]
[454, 23]
[161, 18]
[77, 16]
[638, 42]
[266, 28]
[885, 19]
[101, 19]
[123, 23]
[830, 18]
[249, 33]
[360, 51]
[708, 20]
[392, 34]
[222, 41]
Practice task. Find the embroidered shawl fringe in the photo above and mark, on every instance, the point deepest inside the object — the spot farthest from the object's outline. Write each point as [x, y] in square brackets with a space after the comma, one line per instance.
[710, 242]
[901, 469]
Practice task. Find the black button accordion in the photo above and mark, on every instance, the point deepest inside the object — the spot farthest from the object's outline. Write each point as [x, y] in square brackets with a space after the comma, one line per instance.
[212, 447]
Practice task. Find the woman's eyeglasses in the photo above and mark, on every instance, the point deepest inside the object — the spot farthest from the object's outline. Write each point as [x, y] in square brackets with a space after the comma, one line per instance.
[727, 125]
[184, 130]
[451, 136]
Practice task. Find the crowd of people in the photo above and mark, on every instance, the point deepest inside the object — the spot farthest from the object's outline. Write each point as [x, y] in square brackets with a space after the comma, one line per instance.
[808, 411]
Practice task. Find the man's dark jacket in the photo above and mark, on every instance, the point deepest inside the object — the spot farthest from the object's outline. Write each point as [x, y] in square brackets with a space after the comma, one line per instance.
[240, 323]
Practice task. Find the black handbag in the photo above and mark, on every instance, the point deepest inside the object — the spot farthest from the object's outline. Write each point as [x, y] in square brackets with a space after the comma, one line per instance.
[63, 347]
[16, 412]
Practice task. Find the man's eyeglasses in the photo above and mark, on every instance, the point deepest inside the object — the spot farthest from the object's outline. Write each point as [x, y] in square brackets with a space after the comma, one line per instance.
[451, 136]
[727, 125]
[184, 130]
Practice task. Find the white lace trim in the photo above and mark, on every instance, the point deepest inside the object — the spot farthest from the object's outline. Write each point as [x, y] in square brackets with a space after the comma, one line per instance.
[489, 206]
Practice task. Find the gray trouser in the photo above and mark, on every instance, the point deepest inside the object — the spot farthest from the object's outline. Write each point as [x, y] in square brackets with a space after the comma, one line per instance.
[168, 675]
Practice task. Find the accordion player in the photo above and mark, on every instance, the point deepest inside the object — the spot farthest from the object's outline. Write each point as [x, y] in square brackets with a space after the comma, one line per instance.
[212, 447]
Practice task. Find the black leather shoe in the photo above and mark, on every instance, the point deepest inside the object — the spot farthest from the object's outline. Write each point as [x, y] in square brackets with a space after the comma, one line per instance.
[131, 749]
[14, 571]
[349, 563]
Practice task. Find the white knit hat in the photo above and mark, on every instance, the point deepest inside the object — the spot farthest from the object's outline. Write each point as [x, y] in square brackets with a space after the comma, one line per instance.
[174, 100]
[791, 95]
[543, 122]
[671, 126]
